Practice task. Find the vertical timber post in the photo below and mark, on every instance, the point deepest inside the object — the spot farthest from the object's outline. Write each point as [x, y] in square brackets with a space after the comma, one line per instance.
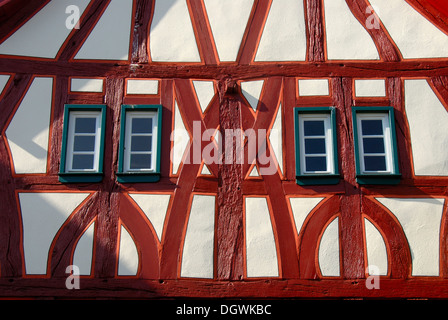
[230, 242]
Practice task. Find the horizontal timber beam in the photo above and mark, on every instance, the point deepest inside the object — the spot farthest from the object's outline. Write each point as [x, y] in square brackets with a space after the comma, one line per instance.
[272, 288]
[412, 68]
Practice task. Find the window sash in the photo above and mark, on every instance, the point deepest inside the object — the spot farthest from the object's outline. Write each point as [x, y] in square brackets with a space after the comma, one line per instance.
[385, 136]
[128, 152]
[327, 136]
[71, 153]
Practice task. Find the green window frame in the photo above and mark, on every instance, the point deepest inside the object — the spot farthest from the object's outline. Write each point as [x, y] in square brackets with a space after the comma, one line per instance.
[141, 143]
[375, 143]
[82, 150]
[316, 146]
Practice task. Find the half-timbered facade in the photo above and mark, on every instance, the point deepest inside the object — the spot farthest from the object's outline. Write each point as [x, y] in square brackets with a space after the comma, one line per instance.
[208, 148]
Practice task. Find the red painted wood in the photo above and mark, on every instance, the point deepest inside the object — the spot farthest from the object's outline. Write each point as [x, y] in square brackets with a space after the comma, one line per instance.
[229, 229]
[64, 244]
[399, 254]
[441, 6]
[143, 14]
[10, 229]
[87, 22]
[351, 235]
[203, 32]
[315, 30]
[144, 237]
[387, 49]
[253, 32]
[159, 270]
[310, 234]
[15, 12]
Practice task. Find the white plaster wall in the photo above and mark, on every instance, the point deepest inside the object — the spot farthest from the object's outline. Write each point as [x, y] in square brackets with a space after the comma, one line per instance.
[313, 87]
[205, 91]
[421, 222]
[43, 35]
[205, 170]
[284, 35]
[3, 81]
[155, 207]
[251, 90]
[110, 39]
[42, 216]
[261, 253]
[301, 207]
[198, 250]
[82, 258]
[370, 88]
[275, 138]
[329, 250]
[180, 138]
[377, 262]
[428, 123]
[172, 37]
[254, 172]
[139, 86]
[86, 85]
[415, 36]
[345, 35]
[128, 255]
[28, 130]
[228, 20]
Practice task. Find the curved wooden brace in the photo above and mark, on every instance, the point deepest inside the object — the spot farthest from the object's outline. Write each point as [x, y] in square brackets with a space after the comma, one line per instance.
[386, 47]
[11, 262]
[144, 237]
[399, 253]
[75, 40]
[64, 244]
[309, 236]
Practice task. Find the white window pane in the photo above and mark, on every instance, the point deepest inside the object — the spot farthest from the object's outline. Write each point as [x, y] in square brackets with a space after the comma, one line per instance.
[372, 127]
[316, 143]
[316, 164]
[141, 143]
[142, 125]
[373, 145]
[83, 161]
[84, 143]
[314, 128]
[315, 146]
[375, 163]
[85, 125]
[140, 161]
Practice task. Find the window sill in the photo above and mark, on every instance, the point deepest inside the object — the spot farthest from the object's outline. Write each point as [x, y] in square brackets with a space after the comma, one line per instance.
[131, 177]
[80, 177]
[377, 179]
[317, 179]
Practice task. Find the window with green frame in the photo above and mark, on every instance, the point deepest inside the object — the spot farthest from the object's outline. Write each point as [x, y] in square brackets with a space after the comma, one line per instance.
[316, 146]
[375, 145]
[140, 143]
[82, 143]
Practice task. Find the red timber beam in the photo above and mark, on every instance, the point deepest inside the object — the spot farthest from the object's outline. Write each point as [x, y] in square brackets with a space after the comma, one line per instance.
[229, 231]
[351, 229]
[272, 182]
[365, 14]
[315, 31]
[11, 260]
